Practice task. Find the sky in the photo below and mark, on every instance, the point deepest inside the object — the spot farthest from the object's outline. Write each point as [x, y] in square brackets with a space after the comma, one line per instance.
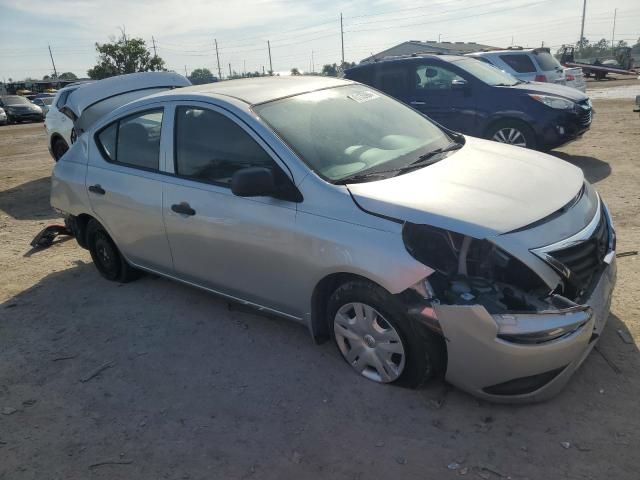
[299, 31]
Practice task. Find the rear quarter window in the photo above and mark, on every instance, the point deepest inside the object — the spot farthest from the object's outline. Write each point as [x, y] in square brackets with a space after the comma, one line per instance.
[519, 63]
[546, 61]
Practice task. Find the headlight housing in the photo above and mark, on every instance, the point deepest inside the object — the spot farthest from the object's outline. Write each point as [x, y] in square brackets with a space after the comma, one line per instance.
[556, 103]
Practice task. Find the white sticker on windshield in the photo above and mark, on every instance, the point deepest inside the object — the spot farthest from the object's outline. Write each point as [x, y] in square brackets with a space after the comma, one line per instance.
[362, 97]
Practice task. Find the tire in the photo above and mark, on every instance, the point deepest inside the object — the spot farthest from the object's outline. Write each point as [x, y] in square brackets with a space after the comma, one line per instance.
[512, 132]
[390, 348]
[59, 148]
[106, 256]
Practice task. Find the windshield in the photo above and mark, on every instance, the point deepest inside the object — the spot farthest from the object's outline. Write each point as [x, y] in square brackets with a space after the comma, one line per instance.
[547, 62]
[487, 73]
[342, 131]
[15, 100]
[47, 100]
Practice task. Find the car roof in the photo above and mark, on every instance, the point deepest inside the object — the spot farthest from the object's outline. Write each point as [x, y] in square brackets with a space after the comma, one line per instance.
[408, 58]
[260, 89]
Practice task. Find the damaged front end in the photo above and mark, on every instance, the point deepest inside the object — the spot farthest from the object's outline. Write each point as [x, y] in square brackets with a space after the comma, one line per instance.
[509, 334]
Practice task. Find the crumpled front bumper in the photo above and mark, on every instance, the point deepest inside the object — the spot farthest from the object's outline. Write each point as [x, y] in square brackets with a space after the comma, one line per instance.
[489, 367]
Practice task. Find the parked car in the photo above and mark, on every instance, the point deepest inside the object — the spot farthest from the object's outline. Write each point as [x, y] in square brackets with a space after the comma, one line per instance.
[19, 109]
[471, 97]
[533, 65]
[334, 205]
[58, 126]
[43, 103]
[3, 117]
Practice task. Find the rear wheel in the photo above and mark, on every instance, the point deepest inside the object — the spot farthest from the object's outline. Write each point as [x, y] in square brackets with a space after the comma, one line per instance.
[106, 256]
[377, 340]
[59, 148]
[512, 132]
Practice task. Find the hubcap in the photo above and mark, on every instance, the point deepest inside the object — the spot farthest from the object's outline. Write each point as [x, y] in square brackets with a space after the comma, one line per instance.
[369, 343]
[510, 135]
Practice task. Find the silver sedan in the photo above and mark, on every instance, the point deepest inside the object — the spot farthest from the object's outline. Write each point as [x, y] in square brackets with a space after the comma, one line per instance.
[418, 251]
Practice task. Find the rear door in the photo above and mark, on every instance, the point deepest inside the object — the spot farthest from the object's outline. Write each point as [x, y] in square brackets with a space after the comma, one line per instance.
[124, 185]
[243, 247]
[443, 94]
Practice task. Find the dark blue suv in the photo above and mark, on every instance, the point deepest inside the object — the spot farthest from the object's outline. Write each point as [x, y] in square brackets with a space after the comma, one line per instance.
[468, 96]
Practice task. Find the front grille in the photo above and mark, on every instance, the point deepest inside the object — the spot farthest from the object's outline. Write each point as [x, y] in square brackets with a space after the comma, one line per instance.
[585, 259]
[585, 114]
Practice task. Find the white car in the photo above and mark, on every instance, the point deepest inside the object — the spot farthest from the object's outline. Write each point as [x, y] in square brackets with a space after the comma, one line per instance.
[3, 117]
[533, 65]
[58, 126]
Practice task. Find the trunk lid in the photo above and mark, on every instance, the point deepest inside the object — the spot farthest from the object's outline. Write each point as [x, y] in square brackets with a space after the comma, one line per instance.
[89, 102]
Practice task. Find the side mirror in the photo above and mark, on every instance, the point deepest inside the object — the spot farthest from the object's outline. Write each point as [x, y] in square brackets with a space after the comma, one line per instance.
[253, 182]
[459, 84]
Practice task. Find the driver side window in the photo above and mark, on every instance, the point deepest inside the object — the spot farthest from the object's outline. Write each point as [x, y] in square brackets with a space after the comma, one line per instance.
[209, 147]
[434, 77]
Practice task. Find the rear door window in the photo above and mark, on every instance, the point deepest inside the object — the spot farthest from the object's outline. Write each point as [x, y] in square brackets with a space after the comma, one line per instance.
[392, 79]
[520, 63]
[133, 141]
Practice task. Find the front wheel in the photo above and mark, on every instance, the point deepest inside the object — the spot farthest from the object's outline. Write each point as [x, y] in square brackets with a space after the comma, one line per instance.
[512, 132]
[376, 338]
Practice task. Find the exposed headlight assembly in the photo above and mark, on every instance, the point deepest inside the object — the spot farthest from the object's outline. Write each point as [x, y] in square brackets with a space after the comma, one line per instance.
[553, 102]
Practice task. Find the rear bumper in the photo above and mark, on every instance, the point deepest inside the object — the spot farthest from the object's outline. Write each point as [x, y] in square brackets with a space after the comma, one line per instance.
[488, 367]
[32, 117]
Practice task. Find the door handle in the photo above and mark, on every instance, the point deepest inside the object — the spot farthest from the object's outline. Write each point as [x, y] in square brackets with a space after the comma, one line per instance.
[416, 102]
[183, 208]
[97, 189]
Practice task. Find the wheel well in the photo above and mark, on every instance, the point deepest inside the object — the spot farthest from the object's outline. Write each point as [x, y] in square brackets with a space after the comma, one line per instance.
[497, 121]
[319, 299]
[80, 228]
[55, 137]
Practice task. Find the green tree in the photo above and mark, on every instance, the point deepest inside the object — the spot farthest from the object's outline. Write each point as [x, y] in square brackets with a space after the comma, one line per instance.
[67, 76]
[202, 75]
[124, 55]
[295, 71]
[330, 70]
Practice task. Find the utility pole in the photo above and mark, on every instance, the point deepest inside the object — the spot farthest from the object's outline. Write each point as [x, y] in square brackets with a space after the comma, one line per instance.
[439, 37]
[342, 37]
[263, 70]
[244, 68]
[153, 40]
[270, 64]
[185, 71]
[229, 70]
[584, 11]
[313, 63]
[218, 57]
[55, 72]
[613, 33]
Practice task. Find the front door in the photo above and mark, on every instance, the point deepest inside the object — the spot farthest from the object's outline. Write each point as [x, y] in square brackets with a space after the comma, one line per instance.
[125, 187]
[243, 247]
[443, 95]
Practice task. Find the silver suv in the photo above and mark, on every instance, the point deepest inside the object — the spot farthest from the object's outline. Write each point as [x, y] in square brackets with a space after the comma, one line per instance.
[419, 251]
[533, 65]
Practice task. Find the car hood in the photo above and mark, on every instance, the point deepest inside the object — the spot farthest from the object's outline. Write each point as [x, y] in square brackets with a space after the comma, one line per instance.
[482, 190]
[569, 93]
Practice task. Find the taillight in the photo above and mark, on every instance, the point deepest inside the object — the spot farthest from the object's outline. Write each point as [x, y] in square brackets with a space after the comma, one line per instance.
[570, 78]
[540, 78]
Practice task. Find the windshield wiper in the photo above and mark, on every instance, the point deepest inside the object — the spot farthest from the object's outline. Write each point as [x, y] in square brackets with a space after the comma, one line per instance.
[421, 161]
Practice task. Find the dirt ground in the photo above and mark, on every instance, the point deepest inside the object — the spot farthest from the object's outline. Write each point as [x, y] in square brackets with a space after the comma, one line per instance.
[193, 389]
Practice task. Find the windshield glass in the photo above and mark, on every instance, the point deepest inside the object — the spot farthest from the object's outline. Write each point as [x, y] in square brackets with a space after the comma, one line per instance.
[342, 131]
[547, 62]
[47, 100]
[15, 100]
[487, 73]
